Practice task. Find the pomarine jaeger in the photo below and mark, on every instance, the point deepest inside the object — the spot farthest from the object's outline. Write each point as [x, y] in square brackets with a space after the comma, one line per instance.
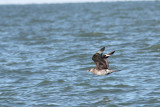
[102, 65]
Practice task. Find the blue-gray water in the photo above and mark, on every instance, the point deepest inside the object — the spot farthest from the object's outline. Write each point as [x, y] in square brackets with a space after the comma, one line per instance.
[45, 51]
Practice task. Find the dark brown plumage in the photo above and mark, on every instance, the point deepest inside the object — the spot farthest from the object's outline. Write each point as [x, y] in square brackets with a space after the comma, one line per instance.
[102, 65]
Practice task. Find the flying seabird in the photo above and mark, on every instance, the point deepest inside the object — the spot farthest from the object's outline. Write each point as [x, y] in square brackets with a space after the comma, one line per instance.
[102, 65]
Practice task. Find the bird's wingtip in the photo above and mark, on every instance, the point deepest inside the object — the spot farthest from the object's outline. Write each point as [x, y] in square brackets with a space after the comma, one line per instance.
[101, 50]
[109, 54]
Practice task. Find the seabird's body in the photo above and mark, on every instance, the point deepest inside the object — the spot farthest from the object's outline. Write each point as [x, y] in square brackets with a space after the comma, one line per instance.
[101, 72]
[102, 65]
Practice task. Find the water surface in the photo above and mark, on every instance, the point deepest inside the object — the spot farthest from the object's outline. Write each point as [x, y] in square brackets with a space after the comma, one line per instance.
[45, 51]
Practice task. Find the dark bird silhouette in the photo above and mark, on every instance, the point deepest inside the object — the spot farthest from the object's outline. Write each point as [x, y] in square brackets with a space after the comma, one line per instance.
[102, 64]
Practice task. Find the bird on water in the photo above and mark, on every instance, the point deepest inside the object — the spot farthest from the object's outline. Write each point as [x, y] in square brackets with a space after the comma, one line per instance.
[102, 64]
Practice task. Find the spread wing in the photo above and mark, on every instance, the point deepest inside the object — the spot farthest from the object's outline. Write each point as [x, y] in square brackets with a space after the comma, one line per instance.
[105, 58]
[99, 60]
[108, 54]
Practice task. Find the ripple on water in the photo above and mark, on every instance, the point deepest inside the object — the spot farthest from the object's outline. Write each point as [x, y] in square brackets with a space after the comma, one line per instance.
[44, 57]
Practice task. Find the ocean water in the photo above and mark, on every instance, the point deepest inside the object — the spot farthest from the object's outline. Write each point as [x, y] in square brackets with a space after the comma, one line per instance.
[46, 49]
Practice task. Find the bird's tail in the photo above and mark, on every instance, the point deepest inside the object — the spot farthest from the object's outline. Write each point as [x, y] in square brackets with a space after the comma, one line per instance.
[110, 71]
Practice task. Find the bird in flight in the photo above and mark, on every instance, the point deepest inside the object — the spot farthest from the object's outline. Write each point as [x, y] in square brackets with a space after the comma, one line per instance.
[102, 64]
